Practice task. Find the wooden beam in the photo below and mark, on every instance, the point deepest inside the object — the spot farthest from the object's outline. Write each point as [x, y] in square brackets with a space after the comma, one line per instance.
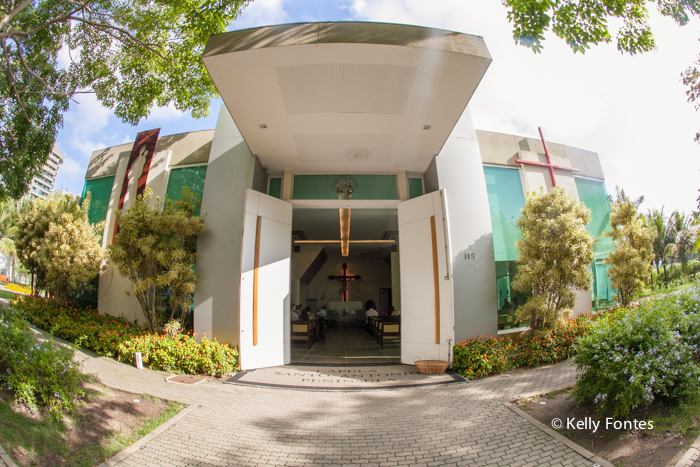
[436, 280]
[256, 266]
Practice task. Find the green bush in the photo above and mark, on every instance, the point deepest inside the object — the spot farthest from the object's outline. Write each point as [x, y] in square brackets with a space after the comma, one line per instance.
[475, 358]
[82, 326]
[551, 346]
[181, 353]
[118, 338]
[640, 354]
[487, 355]
[39, 374]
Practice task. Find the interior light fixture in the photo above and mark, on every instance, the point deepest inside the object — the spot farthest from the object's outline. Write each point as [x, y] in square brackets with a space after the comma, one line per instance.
[303, 242]
[344, 231]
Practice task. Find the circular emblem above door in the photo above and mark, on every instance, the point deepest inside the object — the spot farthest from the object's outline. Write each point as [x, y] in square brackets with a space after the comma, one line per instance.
[344, 187]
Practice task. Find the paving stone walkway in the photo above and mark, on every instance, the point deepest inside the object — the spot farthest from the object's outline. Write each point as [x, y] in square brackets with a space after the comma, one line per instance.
[457, 424]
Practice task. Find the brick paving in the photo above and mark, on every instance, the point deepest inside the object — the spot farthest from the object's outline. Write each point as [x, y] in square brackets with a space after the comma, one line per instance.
[451, 425]
[456, 424]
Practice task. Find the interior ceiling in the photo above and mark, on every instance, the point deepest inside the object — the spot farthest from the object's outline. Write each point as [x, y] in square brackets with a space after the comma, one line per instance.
[365, 224]
[345, 107]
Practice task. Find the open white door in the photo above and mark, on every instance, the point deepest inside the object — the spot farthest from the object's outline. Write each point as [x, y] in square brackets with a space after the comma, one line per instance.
[264, 307]
[427, 312]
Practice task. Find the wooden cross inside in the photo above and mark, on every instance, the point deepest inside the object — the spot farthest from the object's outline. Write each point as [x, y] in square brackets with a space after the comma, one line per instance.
[345, 279]
[548, 164]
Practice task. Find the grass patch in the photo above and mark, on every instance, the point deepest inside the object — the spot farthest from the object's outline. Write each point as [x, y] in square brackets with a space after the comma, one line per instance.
[87, 438]
[7, 294]
[37, 438]
[119, 442]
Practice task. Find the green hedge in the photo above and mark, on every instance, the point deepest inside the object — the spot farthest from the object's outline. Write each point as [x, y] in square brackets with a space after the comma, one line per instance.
[640, 354]
[38, 374]
[115, 337]
[483, 356]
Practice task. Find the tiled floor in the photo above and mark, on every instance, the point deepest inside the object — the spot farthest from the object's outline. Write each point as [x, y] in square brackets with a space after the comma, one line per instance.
[346, 345]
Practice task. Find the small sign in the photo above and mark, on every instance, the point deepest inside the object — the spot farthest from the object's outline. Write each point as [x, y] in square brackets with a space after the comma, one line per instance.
[139, 360]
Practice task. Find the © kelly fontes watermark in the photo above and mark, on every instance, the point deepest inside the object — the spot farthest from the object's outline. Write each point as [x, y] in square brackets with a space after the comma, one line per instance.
[589, 423]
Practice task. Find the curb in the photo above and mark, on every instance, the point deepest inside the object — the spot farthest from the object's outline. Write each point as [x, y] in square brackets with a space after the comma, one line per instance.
[691, 455]
[114, 460]
[561, 438]
[5, 457]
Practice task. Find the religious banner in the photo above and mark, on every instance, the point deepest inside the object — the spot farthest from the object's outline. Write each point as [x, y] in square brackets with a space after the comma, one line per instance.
[145, 145]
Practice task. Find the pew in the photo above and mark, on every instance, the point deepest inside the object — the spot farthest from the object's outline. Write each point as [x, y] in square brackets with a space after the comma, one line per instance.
[303, 331]
[389, 330]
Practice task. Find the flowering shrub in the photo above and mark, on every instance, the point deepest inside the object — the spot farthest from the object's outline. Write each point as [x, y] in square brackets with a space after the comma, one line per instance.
[82, 326]
[479, 357]
[639, 354]
[475, 358]
[553, 345]
[115, 337]
[181, 353]
[38, 374]
[18, 288]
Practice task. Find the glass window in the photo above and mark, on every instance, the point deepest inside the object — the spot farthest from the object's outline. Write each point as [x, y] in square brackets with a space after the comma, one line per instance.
[101, 190]
[506, 199]
[191, 177]
[594, 195]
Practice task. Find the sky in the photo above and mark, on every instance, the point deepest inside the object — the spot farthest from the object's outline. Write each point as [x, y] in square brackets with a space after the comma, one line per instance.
[631, 110]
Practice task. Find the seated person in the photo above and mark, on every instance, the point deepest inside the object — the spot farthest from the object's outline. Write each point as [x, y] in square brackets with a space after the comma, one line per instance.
[306, 314]
[295, 315]
[321, 327]
[394, 312]
[369, 313]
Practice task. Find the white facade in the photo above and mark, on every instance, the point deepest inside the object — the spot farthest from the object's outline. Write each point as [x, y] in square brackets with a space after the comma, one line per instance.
[384, 106]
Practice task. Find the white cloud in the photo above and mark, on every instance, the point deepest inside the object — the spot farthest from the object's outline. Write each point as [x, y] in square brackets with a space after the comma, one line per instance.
[165, 114]
[72, 169]
[262, 13]
[632, 110]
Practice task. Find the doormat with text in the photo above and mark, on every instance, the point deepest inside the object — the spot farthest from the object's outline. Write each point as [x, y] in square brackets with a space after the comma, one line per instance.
[322, 377]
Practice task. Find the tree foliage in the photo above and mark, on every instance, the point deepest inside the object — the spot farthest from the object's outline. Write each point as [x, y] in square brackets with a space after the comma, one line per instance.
[131, 55]
[683, 234]
[57, 243]
[586, 22]
[630, 261]
[556, 252]
[663, 237]
[156, 247]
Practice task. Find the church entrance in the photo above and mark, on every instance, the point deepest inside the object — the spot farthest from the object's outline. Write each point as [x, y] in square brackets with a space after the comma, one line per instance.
[337, 262]
[345, 278]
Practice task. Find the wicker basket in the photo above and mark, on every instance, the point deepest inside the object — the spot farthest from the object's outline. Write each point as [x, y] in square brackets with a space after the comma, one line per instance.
[431, 367]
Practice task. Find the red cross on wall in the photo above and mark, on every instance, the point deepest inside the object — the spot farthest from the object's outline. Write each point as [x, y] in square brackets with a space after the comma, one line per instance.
[548, 164]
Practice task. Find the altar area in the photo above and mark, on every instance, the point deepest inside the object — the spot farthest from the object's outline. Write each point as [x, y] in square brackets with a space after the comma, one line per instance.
[345, 313]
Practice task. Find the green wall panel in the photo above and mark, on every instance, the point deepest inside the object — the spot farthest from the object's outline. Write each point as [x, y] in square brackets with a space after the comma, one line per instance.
[415, 188]
[192, 177]
[506, 199]
[594, 195]
[275, 188]
[101, 191]
[363, 186]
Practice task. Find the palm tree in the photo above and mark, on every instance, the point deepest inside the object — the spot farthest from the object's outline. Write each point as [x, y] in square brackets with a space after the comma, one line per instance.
[7, 229]
[658, 221]
[684, 235]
